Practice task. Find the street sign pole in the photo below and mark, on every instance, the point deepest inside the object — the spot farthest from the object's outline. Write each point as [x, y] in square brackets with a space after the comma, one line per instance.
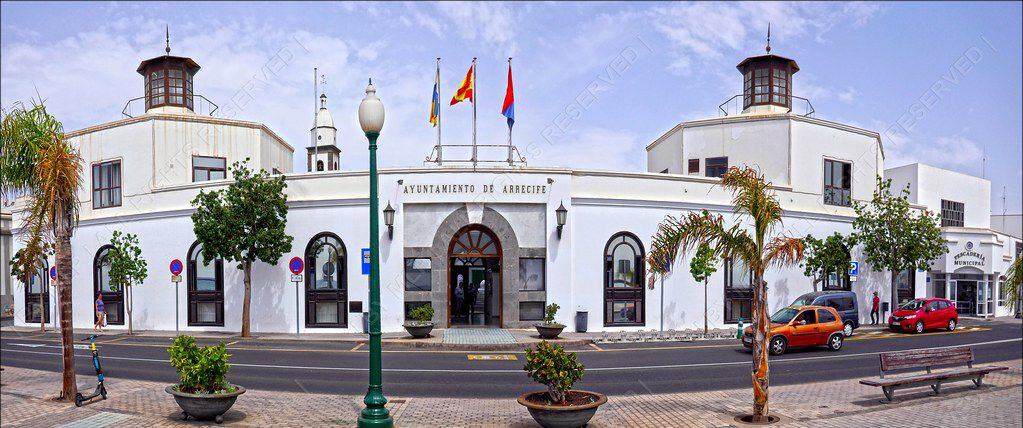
[296, 266]
[175, 269]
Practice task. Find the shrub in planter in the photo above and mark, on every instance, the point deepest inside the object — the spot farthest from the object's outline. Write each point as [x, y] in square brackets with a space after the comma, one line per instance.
[202, 391]
[420, 322]
[549, 329]
[560, 405]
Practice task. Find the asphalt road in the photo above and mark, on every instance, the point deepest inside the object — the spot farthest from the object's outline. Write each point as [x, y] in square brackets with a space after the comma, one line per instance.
[334, 367]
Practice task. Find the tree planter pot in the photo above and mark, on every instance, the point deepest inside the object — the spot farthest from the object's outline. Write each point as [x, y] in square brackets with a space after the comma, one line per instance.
[419, 331]
[558, 416]
[549, 331]
[204, 407]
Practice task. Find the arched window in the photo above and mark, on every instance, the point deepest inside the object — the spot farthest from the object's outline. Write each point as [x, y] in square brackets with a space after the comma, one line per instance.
[205, 289]
[38, 286]
[326, 281]
[113, 296]
[624, 272]
[319, 165]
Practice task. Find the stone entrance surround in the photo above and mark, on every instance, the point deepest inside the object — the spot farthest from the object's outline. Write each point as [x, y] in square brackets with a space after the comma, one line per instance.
[438, 255]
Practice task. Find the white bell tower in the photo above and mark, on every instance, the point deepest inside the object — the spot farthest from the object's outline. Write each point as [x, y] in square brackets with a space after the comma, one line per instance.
[324, 155]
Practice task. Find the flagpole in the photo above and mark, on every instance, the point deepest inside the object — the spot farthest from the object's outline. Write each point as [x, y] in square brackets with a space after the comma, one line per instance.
[440, 148]
[474, 98]
[510, 163]
[316, 109]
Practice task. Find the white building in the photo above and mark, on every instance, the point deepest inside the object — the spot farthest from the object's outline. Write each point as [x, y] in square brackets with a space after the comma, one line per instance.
[483, 245]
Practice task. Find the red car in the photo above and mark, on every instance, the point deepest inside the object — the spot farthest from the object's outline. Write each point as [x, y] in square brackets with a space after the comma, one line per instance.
[924, 314]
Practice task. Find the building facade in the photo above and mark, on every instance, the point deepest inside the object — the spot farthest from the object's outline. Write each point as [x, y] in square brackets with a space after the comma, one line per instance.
[485, 246]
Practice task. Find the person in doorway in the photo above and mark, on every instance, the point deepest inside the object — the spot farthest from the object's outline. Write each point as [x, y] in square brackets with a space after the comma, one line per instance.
[459, 294]
[101, 315]
[874, 308]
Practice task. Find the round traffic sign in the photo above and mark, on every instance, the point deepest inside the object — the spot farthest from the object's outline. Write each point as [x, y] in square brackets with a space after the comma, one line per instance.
[296, 265]
[175, 267]
[53, 272]
[328, 268]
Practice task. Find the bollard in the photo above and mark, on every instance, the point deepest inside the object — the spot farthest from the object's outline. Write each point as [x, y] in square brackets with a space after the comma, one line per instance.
[738, 333]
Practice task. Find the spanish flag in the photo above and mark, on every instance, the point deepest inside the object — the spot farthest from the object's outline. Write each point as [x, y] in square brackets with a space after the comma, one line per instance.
[435, 104]
[465, 90]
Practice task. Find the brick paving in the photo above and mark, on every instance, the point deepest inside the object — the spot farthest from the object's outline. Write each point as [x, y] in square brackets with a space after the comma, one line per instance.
[478, 336]
[24, 402]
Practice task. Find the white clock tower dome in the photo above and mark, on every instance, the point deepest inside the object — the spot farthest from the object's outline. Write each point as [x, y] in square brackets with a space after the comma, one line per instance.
[324, 155]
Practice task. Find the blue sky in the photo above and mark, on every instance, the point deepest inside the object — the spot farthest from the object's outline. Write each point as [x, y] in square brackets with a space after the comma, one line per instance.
[595, 83]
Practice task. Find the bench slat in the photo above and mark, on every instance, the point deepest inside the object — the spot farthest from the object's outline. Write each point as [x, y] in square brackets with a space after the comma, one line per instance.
[900, 360]
[927, 377]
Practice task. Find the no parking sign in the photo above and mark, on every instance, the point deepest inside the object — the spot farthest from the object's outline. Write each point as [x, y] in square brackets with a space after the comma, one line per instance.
[296, 266]
[175, 269]
[53, 272]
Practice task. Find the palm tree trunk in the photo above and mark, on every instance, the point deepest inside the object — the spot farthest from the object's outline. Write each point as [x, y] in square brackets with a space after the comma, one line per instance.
[246, 331]
[63, 255]
[760, 368]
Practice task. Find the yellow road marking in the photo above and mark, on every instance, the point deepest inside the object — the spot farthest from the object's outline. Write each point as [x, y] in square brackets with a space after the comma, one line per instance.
[361, 344]
[491, 357]
[231, 343]
[594, 345]
[113, 340]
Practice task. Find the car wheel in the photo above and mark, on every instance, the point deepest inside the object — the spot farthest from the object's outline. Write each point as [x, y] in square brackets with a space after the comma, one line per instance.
[919, 327]
[778, 345]
[951, 325]
[835, 342]
[848, 329]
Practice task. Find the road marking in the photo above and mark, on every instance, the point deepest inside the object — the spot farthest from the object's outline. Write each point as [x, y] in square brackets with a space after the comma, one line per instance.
[515, 371]
[594, 346]
[29, 345]
[356, 348]
[491, 357]
[113, 340]
[232, 343]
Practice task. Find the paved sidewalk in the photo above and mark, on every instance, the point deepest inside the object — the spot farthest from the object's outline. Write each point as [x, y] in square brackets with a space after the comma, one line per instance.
[24, 402]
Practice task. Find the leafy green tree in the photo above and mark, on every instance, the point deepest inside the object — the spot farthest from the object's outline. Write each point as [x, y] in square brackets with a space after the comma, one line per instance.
[894, 236]
[244, 223]
[823, 257]
[127, 267]
[701, 267]
[38, 161]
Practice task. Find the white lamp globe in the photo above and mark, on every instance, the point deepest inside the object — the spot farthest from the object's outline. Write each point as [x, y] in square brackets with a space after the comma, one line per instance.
[371, 111]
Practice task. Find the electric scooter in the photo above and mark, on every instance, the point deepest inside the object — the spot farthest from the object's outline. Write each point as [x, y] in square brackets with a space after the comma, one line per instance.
[101, 390]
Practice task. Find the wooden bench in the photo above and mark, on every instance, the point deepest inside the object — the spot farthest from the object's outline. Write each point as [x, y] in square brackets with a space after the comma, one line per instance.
[928, 359]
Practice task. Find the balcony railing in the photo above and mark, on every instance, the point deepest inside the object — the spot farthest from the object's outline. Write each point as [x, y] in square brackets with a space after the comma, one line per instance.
[201, 105]
[799, 105]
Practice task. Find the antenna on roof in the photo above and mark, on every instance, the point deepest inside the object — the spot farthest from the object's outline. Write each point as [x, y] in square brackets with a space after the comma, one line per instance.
[768, 37]
[168, 40]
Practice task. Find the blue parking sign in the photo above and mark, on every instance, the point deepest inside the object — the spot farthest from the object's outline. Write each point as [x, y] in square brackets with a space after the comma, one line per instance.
[365, 261]
[854, 268]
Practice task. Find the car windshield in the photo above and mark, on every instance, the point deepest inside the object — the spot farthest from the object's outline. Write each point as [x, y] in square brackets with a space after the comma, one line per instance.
[804, 300]
[913, 305]
[784, 315]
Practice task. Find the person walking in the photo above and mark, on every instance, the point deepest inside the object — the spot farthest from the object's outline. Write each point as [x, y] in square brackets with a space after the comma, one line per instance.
[101, 315]
[874, 314]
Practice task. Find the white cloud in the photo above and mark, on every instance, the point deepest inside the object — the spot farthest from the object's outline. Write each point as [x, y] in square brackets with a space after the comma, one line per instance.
[491, 22]
[969, 155]
[592, 148]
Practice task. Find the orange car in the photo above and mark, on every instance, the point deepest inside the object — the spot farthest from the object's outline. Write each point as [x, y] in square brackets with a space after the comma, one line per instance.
[801, 326]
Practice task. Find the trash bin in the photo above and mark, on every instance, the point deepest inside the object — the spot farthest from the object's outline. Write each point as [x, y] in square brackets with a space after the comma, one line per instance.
[581, 318]
[365, 322]
[884, 311]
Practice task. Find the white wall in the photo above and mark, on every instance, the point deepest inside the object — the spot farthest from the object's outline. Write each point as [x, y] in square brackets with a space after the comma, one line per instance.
[928, 185]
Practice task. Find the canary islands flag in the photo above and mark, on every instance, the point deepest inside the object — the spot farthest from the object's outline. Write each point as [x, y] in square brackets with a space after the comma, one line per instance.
[508, 109]
[435, 105]
[465, 90]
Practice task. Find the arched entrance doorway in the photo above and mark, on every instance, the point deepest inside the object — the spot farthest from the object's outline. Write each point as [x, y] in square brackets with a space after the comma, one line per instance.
[474, 277]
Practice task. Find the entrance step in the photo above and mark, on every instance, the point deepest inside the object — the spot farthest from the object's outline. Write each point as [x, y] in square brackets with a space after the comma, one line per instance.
[478, 336]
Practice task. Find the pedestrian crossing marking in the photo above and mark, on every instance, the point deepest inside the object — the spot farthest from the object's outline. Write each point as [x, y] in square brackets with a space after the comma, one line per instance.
[492, 357]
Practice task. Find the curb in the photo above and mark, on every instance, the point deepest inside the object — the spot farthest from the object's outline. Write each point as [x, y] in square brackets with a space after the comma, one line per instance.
[517, 346]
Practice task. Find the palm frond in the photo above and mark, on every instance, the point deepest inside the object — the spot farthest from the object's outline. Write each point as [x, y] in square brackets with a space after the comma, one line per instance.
[752, 197]
[23, 132]
[677, 237]
[783, 251]
[1012, 283]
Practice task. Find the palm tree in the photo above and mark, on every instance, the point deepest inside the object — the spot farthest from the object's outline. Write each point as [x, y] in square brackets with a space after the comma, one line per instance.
[751, 239]
[1011, 285]
[37, 160]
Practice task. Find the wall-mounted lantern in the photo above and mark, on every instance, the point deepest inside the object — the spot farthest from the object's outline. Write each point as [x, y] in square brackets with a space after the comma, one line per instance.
[389, 220]
[562, 215]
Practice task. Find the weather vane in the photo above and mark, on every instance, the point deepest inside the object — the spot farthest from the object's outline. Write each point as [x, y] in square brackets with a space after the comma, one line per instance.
[168, 40]
[768, 37]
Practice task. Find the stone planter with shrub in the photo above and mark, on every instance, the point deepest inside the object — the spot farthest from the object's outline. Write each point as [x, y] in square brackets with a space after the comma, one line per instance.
[549, 329]
[202, 392]
[559, 406]
[420, 323]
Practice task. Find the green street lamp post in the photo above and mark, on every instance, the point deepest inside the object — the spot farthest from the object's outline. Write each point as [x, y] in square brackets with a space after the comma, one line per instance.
[371, 118]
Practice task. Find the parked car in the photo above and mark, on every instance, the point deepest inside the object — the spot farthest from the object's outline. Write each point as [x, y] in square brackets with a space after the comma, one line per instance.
[919, 315]
[800, 327]
[843, 301]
